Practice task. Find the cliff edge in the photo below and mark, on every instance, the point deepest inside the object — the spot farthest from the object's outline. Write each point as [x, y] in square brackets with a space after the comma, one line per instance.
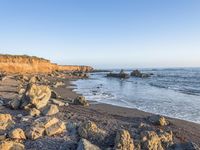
[32, 64]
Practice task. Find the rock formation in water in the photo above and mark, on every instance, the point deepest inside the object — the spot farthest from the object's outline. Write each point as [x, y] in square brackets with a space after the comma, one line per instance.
[32, 64]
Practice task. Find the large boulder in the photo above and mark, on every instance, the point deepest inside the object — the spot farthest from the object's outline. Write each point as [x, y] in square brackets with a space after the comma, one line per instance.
[84, 144]
[124, 141]
[156, 141]
[5, 121]
[80, 100]
[45, 125]
[56, 128]
[89, 130]
[36, 95]
[50, 110]
[17, 134]
[11, 145]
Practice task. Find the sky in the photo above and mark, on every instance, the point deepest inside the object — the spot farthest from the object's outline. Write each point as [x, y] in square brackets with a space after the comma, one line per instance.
[103, 33]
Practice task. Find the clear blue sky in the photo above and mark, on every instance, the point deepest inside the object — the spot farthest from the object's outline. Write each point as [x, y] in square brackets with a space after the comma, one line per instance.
[104, 33]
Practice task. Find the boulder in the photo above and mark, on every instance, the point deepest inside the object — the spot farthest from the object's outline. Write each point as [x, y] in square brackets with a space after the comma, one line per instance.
[124, 141]
[1, 103]
[35, 132]
[17, 134]
[45, 125]
[89, 130]
[50, 110]
[158, 120]
[56, 128]
[84, 144]
[5, 121]
[80, 100]
[36, 95]
[11, 145]
[150, 141]
[34, 112]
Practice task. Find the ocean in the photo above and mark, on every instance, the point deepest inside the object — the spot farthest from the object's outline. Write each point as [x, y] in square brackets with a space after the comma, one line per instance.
[173, 92]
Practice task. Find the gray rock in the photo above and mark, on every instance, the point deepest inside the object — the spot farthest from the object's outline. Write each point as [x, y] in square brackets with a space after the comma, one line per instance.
[86, 145]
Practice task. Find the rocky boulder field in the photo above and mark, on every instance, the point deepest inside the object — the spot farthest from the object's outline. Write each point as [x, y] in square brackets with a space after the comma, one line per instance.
[41, 112]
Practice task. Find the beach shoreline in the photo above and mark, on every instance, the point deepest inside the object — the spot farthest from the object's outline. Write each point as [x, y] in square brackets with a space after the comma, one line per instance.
[107, 117]
[179, 126]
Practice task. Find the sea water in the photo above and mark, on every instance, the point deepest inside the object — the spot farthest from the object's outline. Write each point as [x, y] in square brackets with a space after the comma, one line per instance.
[174, 92]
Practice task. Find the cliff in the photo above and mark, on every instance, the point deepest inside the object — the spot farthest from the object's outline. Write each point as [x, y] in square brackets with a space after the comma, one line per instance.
[32, 64]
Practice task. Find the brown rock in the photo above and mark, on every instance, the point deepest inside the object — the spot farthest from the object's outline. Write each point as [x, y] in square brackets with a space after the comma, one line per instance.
[11, 145]
[5, 121]
[124, 141]
[17, 134]
[33, 79]
[36, 95]
[35, 132]
[89, 130]
[56, 128]
[80, 100]
[50, 110]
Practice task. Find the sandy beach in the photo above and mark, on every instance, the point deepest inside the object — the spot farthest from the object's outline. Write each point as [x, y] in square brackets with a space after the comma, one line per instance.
[108, 118]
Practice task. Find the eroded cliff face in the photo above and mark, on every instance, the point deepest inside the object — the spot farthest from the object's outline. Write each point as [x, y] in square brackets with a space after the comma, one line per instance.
[31, 64]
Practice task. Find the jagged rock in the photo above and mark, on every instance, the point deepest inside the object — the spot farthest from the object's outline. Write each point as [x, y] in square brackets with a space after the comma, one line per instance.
[57, 102]
[56, 128]
[5, 121]
[35, 132]
[84, 144]
[50, 110]
[159, 120]
[124, 141]
[15, 104]
[151, 141]
[36, 95]
[166, 138]
[33, 79]
[17, 134]
[45, 125]
[11, 145]
[137, 73]
[80, 100]
[89, 130]
[34, 112]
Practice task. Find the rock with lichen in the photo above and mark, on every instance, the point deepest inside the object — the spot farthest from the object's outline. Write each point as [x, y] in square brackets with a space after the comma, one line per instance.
[123, 141]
